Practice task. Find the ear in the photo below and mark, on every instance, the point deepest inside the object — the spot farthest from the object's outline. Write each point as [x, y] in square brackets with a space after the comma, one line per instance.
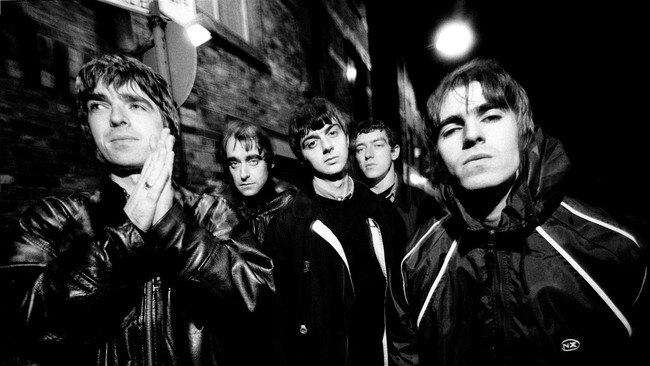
[394, 153]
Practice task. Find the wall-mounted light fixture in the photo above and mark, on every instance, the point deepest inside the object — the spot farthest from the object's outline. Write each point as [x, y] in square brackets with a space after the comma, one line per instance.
[350, 72]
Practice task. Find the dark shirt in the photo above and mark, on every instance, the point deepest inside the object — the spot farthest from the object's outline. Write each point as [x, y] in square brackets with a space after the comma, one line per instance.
[343, 218]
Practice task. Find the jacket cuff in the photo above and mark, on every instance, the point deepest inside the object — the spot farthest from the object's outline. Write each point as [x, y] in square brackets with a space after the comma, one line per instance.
[169, 229]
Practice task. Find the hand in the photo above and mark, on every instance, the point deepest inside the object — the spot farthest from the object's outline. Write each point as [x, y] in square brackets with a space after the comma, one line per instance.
[166, 200]
[153, 195]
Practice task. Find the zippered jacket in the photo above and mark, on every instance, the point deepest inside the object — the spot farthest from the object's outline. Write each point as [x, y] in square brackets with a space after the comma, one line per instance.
[81, 284]
[315, 293]
[275, 195]
[557, 283]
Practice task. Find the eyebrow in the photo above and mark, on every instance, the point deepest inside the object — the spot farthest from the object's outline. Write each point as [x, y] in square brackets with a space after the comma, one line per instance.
[128, 97]
[246, 158]
[379, 139]
[480, 109]
[312, 134]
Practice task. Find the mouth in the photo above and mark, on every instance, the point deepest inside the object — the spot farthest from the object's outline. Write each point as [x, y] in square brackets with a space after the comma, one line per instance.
[122, 138]
[476, 157]
[368, 166]
[331, 160]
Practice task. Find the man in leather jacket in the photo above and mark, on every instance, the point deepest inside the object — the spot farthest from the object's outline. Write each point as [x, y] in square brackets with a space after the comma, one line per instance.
[248, 153]
[140, 271]
[518, 273]
[330, 249]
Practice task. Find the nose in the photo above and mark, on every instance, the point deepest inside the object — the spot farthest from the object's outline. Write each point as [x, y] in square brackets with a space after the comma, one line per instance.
[472, 134]
[244, 172]
[327, 145]
[369, 153]
[118, 116]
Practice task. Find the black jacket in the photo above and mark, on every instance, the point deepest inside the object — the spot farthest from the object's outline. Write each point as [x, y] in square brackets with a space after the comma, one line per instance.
[557, 283]
[314, 287]
[415, 206]
[84, 286]
[275, 195]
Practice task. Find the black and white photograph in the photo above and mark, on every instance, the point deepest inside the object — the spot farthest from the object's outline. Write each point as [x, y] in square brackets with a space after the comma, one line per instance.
[323, 183]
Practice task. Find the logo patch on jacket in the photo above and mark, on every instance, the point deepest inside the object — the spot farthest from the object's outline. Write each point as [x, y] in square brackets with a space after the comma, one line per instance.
[569, 345]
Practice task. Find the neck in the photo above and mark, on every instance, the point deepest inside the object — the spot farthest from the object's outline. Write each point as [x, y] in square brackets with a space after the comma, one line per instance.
[338, 189]
[487, 204]
[264, 195]
[381, 184]
[127, 182]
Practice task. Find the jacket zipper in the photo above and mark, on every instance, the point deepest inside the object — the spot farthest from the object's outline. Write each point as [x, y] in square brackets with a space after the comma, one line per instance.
[497, 286]
[149, 309]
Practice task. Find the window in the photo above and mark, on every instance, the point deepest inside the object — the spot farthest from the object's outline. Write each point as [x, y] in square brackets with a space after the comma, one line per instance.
[233, 14]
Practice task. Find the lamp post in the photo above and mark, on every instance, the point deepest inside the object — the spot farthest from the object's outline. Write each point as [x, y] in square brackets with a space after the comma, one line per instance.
[157, 26]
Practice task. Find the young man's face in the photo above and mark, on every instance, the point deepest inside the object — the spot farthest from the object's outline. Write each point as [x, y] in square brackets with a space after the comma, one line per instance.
[374, 155]
[326, 149]
[122, 122]
[478, 142]
[248, 169]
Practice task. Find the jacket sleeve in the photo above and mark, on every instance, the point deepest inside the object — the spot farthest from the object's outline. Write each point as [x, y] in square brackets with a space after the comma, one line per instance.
[221, 259]
[62, 277]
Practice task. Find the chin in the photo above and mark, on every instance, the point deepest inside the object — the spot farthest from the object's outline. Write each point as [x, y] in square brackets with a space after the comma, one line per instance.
[478, 182]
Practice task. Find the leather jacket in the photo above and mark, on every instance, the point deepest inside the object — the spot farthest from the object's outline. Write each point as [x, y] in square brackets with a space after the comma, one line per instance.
[85, 286]
[556, 283]
[258, 212]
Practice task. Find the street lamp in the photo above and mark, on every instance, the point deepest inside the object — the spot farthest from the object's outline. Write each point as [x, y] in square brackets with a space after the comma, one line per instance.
[454, 39]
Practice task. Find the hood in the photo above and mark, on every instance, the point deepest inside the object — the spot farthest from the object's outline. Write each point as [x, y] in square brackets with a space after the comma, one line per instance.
[537, 191]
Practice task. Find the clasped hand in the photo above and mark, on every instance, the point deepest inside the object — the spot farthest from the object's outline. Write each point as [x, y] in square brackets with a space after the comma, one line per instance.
[153, 194]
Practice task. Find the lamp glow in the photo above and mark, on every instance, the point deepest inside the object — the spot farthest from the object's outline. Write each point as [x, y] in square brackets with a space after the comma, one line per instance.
[198, 34]
[351, 73]
[454, 39]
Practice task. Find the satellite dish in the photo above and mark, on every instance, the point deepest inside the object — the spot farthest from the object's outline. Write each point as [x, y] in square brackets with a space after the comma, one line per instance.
[181, 56]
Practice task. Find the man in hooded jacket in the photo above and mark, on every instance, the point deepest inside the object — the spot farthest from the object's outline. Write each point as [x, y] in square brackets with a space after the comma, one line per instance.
[517, 273]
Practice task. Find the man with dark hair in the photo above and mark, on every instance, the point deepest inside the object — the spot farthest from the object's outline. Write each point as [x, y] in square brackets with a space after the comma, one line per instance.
[248, 154]
[139, 271]
[518, 273]
[376, 151]
[330, 249]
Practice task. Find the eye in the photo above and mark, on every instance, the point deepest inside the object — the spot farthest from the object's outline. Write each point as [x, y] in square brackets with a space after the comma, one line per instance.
[309, 144]
[360, 149]
[380, 144]
[253, 161]
[449, 130]
[233, 164]
[492, 115]
[138, 107]
[333, 132]
[95, 106]
[492, 118]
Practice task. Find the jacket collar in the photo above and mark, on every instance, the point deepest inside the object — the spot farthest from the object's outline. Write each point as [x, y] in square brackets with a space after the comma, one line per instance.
[403, 195]
[536, 193]
[307, 205]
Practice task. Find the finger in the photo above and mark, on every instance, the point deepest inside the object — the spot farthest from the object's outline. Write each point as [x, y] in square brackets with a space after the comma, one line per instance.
[146, 168]
[158, 174]
[170, 142]
[170, 163]
[153, 143]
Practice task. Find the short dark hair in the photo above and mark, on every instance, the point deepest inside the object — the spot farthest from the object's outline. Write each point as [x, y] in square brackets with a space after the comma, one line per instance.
[119, 70]
[313, 115]
[250, 136]
[369, 125]
[498, 88]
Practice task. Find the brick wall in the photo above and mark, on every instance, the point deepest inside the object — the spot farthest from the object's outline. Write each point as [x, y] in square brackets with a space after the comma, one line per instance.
[43, 45]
